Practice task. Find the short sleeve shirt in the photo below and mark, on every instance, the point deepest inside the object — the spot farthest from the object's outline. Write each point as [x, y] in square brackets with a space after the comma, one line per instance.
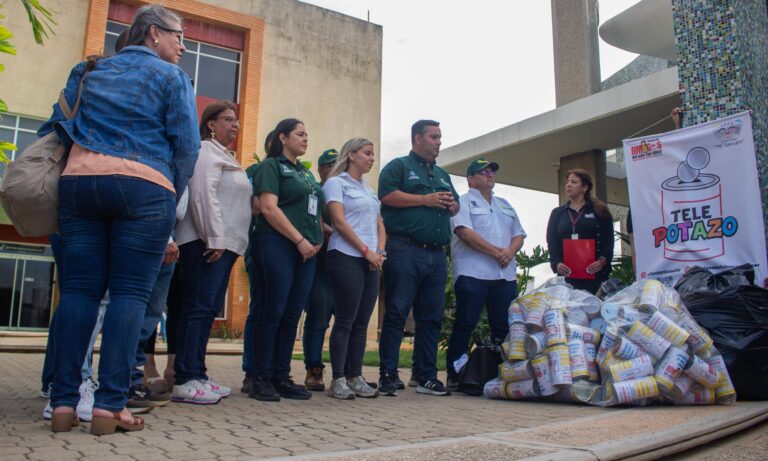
[294, 185]
[497, 223]
[412, 175]
[361, 210]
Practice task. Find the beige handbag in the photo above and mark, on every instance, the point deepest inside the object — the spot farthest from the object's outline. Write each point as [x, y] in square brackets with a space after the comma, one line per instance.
[29, 190]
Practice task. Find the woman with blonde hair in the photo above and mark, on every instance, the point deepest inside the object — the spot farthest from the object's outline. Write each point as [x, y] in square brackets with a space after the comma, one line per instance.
[355, 256]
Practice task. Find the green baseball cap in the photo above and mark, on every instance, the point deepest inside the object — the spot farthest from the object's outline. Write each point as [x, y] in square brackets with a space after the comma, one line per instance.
[481, 164]
[328, 157]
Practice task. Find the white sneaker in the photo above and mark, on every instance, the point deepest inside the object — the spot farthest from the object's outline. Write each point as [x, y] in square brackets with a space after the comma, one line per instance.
[223, 391]
[361, 388]
[340, 389]
[47, 411]
[194, 391]
[85, 405]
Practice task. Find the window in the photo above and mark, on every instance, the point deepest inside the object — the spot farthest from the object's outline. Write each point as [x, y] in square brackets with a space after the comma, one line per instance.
[18, 130]
[214, 70]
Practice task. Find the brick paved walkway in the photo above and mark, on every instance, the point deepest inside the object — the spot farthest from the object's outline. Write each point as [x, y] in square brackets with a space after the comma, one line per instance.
[242, 428]
[239, 428]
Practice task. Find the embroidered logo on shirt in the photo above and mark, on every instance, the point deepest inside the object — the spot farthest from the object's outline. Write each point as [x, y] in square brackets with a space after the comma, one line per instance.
[286, 169]
[412, 175]
[589, 215]
[473, 203]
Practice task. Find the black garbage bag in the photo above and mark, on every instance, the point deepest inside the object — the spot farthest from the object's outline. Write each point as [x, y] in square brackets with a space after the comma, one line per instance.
[482, 366]
[735, 313]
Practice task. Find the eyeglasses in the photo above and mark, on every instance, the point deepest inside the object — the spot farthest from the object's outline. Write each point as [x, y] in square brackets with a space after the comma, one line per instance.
[179, 33]
[229, 119]
[487, 172]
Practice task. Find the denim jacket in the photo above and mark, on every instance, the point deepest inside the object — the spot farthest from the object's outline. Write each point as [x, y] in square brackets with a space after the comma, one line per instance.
[136, 106]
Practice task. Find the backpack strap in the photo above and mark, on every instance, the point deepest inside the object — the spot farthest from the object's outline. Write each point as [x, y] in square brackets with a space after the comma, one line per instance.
[71, 112]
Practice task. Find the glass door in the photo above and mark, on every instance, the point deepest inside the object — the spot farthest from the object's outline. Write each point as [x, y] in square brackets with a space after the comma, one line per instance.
[26, 291]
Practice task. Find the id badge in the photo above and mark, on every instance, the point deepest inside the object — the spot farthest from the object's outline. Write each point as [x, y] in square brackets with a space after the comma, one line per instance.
[574, 236]
[312, 205]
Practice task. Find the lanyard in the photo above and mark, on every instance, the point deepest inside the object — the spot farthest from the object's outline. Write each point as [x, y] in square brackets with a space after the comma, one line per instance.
[301, 172]
[576, 220]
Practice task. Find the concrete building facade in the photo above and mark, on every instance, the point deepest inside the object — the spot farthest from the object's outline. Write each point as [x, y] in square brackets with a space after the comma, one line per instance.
[274, 58]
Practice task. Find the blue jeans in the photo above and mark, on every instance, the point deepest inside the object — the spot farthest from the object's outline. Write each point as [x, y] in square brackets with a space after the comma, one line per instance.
[471, 295]
[86, 371]
[204, 289]
[250, 321]
[114, 231]
[152, 316]
[319, 309]
[413, 277]
[284, 281]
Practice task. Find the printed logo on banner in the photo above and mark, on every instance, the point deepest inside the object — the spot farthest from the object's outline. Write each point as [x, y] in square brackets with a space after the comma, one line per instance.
[693, 200]
[647, 148]
[729, 133]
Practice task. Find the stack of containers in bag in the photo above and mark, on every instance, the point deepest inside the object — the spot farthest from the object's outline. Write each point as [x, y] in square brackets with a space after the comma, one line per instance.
[639, 346]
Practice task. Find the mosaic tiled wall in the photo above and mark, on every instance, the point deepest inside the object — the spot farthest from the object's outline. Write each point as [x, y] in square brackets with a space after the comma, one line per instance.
[722, 48]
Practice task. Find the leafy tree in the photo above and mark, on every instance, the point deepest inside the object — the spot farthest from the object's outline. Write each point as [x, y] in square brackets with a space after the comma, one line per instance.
[42, 23]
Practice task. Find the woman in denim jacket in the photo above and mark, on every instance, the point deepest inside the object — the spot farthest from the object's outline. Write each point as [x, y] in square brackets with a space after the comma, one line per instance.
[132, 145]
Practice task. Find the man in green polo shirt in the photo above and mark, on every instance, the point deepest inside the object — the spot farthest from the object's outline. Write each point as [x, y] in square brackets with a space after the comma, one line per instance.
[418, 201]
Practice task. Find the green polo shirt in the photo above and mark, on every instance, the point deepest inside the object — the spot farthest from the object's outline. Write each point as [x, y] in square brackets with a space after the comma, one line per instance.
[411, 174]
[293, 185]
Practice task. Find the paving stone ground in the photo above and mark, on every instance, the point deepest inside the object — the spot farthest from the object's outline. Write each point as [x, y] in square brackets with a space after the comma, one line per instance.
[240, 428]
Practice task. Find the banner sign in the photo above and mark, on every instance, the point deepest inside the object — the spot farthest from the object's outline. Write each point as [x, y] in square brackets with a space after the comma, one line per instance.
[695, 200]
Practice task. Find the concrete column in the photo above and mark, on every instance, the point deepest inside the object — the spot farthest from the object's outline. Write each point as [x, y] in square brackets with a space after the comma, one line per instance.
[575, 46]
[722, 50]
[593, 161]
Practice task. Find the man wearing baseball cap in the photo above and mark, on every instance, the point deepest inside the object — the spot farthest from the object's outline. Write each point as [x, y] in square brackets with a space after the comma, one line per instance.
[325, 163]
[486, 236]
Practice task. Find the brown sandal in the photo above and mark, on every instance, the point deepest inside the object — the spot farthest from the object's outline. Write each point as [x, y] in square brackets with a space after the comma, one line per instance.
[64, 422]
[103, 425]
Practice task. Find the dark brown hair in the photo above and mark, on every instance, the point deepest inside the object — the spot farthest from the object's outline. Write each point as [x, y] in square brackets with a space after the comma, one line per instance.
[211, 112]
[586, 180]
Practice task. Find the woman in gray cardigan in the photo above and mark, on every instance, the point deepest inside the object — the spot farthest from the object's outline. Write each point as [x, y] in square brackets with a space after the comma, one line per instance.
[211, 237]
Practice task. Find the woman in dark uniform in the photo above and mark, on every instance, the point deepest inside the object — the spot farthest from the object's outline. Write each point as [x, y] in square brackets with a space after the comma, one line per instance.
[582, 217]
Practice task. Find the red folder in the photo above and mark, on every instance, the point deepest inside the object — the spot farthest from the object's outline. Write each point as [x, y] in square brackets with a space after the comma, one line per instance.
[577, 255]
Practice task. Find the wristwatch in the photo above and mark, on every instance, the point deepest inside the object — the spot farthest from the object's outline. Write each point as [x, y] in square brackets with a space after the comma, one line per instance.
[382, 252]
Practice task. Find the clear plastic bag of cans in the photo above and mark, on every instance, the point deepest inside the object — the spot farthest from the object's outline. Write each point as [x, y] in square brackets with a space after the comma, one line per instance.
[639, 346]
